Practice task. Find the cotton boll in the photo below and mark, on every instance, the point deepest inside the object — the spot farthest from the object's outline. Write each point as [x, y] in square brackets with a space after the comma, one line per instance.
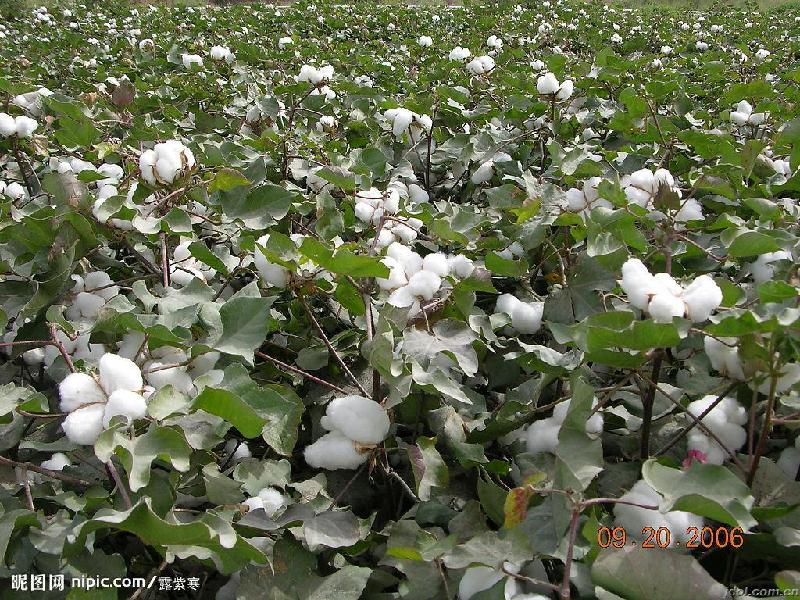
[25, 126]
[547, 84]
[724, 357]
[158, 376]
[397, 275]
[506, 303]
[242, 451]
[436, 263]
[565, 90]
[762, 269]
[334, 451]
[526, 317]
[147, 162]
[124, 403]
[402, 232]
[84, 425]
[85, 305]
[460, 266]
[478, 579]
[407, 258]
[691, 210]
[77, 389]
[220, 53]
[8, 125]
[459, 53]
[424, 284]
[702, 297]
[360, 419]
[634, 518]
[401, 119]
[364, 212]
[483, 173]
[637, 283]
[663, 307]
[542, 435]
[703, 446]
[57, 462]
[117, 373]
[269, 499]
[666, 284]
[100, 284]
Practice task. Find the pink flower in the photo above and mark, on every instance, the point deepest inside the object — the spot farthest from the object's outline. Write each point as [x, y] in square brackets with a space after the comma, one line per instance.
[693, 455]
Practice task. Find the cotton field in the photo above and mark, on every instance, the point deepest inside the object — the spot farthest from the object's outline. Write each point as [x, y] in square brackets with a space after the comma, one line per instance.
[362, 301]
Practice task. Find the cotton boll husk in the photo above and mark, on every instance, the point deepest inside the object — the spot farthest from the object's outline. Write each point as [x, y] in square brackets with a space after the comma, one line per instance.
[436, 263]
[117, 373]
[526, 317]
[724, 358]
[478, 579]
[334, 451]
[506, 303]
[634, 518]
[789, 462]
[124, 403]
[77, 389]
[542, 436]
[57, 462]
[702, 297]
[360, 419]
[84, 425]
[663, 307]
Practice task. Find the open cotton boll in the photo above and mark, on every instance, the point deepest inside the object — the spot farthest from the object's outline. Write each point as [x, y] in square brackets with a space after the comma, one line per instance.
[190, 60]
[77, 389]
[459, 53]
[480, 65]
[547, 84]
[526, 317]
[242, 451]
[158, 374]
[506, 303]
[702, 297]
[401, 119]
[269, 499]
[724, 357]
[117, 373]
[703, 448]
[425, 41]
[478, 579]
[565, 90]
[221, 53]
[664, 306]
[397, 275]
[483, 173]
[460, 266]
[85, 305]
[542, 435]
[360, 419]
[424, 284]
[691, 210]
[8, 125]
[406, 257]
[25, 126]
[100, 284]
[634, 518]
[725, 421]
[436, 263]
[637, 283]
[334, 451]
[84, 425]
[57, 462]
[124, 403]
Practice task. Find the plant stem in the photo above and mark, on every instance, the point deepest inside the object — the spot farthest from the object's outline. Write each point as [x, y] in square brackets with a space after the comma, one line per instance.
[308, 376]
[126, 499]
[762, 440]
[647, 406]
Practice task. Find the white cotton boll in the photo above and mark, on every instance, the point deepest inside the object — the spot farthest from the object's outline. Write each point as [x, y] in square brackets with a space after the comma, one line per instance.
[8, 125]
[385, 237]
[637, 283]
[643, 179]
[725, 421]
[460, 266]
[704, 448]
[403, 297]
[416, 194]
[85, 305]
[565, 90]
[272, 500]
[402, 232]
[425, 41]
[117, 373]
[789, 462]
[666, 283]
[77, 389]
[220, 53]
[360, 419]
[459, 53]
[334, 451]
[34, 357]
[702, 297]
[285, 41]
[397, 275]
[25, 126]
[84, 425]
[401, 118]
[664, 306]
[634, 518]
[189, 60]
[547, 84]
[483, 173]
[15, 191]
[436, 263]
[147, 162]
[391, 201]
[724, 357]
[124, 403]
[167, 167]
[526, 317]
[364, 212]
[542, 435]
[406, 257]
[424, 284]
[691, 210]
[57, 462]
[506, 303]
[479, 579]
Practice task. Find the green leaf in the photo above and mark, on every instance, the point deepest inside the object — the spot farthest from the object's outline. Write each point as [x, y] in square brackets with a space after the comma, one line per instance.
[244, 326]
[429, 469]
[752, 243]
[201, 252]
[637, 573]
[776, 291]
[226, 179]
[347, 183]
[505, 267]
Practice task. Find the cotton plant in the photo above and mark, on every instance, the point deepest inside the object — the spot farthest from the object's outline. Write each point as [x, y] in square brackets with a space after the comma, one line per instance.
[402, 120]
[582, 201]
[642, 186]
[314, 75]
[744, 115]
[355, 426]
[459, 54]
[724, 356]
[526, 317]
[542, 435]
[91, 403]
[163, 164]
[548, 85]
[481, 65]
[637, 519]
[663, 298]
[726, 421]
[425, 41]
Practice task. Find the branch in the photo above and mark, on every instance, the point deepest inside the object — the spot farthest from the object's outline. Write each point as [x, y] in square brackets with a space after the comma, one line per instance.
[305, 374]
[49, 472]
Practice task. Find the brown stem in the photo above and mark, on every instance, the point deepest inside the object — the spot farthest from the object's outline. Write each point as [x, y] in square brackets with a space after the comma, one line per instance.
[573, 534]
[293, 369]
[164, 260]
[50, 473]
[647, 407]
[762, 440]
[62, 350]
[112, 470]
